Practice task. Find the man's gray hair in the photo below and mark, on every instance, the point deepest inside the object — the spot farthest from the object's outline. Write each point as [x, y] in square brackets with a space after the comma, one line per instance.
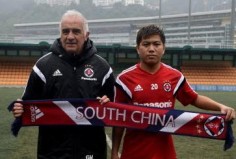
[77, 14]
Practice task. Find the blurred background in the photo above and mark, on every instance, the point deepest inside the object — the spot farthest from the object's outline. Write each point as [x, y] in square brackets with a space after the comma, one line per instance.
[201, 23]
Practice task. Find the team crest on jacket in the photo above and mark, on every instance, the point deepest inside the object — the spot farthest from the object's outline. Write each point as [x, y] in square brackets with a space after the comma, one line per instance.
[89, 73]
[167, 86]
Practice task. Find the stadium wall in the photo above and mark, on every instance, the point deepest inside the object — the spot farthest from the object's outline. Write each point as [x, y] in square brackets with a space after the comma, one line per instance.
[121, 57]
[214, 88]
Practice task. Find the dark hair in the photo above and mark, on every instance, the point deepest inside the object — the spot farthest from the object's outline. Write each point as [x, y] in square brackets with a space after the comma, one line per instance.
[149, 30]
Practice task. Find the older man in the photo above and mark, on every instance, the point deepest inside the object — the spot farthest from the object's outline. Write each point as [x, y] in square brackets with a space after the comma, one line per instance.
[71, 69]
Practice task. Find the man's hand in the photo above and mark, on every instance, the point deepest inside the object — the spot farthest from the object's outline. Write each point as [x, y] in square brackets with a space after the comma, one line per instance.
[104, 99]
[230, 113]
[17, 110]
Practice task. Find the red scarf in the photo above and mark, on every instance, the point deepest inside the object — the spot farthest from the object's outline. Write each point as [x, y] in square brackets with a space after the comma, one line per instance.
[91, 112]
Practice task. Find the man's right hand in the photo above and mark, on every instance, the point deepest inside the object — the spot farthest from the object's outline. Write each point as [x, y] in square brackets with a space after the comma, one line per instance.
[17, 109]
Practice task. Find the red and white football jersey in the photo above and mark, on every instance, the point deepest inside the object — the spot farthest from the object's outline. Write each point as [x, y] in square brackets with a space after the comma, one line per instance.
[138, 87]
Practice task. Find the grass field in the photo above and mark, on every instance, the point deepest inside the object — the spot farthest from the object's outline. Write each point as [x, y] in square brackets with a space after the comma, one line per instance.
[24, 146]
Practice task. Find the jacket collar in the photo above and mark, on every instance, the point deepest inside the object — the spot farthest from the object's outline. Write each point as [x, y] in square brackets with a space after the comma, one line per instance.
[88, 51]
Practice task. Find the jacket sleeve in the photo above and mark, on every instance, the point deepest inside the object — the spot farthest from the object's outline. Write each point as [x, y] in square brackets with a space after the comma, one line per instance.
[34, 87]
[108, 85]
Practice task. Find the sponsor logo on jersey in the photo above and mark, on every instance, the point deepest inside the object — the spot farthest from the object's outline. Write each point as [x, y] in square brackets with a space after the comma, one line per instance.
[155, 104]
[35, 113]
[57, 73]
[138, 88]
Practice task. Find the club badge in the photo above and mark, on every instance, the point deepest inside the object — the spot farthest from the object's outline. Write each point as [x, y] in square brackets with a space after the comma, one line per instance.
[167, 86]
[214, 126]
[88, 72]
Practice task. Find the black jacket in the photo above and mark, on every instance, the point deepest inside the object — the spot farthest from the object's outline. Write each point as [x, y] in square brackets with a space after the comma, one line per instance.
[61, 75]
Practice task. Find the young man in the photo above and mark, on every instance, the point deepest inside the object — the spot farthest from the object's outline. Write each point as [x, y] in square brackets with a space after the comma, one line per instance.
[71, 70]
[153, 83]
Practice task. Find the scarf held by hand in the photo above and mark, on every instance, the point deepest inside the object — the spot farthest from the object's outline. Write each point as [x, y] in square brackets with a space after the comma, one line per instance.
[91, 112]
